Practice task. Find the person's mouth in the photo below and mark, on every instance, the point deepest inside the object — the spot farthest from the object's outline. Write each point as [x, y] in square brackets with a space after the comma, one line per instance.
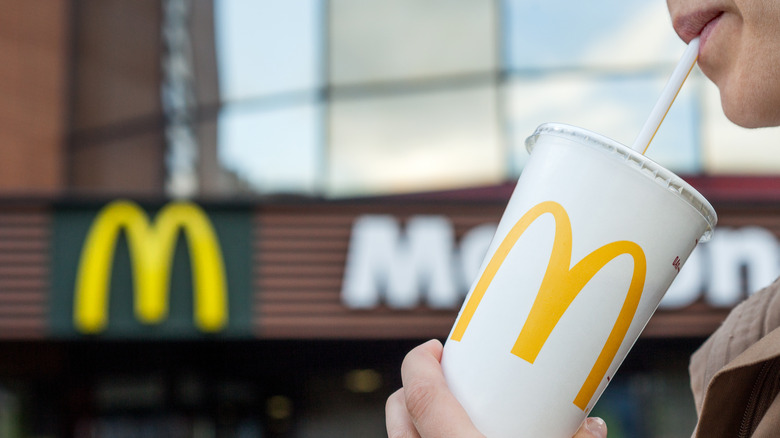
[707, 29]
[699, 23]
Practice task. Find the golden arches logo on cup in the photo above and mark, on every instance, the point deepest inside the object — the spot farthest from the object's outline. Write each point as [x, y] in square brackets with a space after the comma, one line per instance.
[560, 285]
[151, 246]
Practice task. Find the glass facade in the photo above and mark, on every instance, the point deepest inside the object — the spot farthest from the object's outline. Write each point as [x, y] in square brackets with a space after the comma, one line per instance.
[269, 61]
[348, 98]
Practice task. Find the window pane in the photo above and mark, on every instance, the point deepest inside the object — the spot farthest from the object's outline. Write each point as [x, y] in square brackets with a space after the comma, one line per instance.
[601, 33]
[272, 151]
[421, 141]
[616, 107]
[372, 41]
[267, 46]
[730, 149]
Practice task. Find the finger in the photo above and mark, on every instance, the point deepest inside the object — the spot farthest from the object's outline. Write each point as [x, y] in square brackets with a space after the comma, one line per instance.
[397, 420]
[593, 427]
[432, 408]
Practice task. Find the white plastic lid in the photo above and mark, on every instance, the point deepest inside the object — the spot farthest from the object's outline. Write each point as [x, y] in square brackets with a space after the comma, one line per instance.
[662, 176]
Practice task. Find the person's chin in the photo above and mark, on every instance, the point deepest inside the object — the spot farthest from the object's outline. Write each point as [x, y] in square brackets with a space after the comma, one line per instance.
[741, 112]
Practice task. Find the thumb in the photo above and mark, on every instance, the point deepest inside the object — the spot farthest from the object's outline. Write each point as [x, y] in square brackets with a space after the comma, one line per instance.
[592, 427]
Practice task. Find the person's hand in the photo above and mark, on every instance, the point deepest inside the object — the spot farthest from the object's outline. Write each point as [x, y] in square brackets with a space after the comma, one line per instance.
[425, 407]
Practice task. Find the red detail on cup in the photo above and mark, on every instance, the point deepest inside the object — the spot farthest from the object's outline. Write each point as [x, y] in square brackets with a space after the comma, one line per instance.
[676, 263]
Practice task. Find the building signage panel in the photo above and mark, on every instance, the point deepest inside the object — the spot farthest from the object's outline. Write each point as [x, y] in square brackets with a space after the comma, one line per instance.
[328, 270]
[178, 270]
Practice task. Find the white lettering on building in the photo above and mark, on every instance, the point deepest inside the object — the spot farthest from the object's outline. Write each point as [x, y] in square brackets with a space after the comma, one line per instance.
[420, 263]
[404, 267]
[735, 263]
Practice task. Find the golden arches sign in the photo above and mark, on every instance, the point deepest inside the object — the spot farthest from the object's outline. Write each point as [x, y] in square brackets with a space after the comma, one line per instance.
[560, 285]
[151, 253]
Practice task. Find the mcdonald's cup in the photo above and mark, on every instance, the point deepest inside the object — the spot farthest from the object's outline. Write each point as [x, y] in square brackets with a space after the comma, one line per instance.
[591, 239]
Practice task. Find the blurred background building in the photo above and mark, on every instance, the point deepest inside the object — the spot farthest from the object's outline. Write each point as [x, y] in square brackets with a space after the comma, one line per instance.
[312, 156]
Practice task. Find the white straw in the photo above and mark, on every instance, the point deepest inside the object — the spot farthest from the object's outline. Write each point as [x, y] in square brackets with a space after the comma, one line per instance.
[664, 102]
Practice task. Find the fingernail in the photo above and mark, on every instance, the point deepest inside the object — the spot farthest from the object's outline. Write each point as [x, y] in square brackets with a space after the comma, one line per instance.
[597, 427]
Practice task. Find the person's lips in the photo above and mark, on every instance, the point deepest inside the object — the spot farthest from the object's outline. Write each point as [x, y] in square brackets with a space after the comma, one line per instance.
[692, 25]
[707, 30]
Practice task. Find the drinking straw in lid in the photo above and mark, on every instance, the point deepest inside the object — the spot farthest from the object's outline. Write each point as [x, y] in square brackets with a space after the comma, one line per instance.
[668, 95]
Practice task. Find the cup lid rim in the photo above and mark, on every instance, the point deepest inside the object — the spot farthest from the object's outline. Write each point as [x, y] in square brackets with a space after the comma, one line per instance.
[646, 166]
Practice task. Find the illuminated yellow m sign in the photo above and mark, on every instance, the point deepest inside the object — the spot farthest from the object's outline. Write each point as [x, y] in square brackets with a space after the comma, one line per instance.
[151, 253]
[560, 285]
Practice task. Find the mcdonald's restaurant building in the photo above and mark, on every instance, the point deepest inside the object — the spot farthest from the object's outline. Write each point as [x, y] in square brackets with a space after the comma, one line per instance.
[125, 312]
[285, 318]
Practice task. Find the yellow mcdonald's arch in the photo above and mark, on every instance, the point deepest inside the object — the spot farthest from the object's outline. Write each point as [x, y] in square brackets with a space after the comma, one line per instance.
[151, 253]
[560, 285]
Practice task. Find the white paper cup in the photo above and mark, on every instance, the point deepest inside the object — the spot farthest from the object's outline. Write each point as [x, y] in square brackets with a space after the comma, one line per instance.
[591, 239]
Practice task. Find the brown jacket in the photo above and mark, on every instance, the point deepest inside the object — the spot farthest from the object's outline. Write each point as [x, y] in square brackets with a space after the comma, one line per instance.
[735, 375]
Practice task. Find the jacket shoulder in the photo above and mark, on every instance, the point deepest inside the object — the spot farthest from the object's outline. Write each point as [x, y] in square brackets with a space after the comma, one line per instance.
[727, 371]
